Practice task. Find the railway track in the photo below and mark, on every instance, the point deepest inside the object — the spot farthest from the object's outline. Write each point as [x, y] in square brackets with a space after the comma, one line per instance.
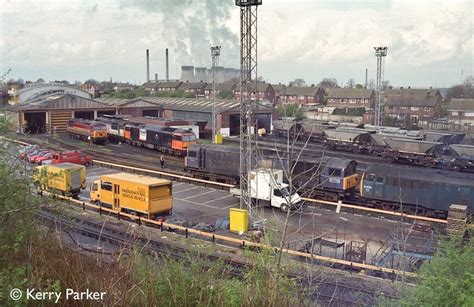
[182, 176]
[322, 290]
[312, 150]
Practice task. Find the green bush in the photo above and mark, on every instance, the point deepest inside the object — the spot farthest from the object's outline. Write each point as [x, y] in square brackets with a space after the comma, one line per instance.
[290, 110]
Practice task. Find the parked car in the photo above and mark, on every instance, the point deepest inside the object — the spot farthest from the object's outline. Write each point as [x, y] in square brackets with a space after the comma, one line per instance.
[32, 153]
[46, 156]
[25, 148]
[24, 153]
[42, 153]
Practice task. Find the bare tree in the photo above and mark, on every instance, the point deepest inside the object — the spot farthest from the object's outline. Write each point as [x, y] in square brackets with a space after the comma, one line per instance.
[297, 82]
[350, 83]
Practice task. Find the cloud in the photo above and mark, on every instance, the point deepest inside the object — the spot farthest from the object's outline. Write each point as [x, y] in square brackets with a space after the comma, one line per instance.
[429, 42]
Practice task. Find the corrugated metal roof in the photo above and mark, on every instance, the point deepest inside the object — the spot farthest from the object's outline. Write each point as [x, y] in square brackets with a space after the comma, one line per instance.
[461, 104]
[61, 102]
[184, 104]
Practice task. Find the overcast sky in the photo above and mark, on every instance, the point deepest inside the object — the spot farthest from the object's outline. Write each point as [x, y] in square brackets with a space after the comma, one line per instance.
[429, 42]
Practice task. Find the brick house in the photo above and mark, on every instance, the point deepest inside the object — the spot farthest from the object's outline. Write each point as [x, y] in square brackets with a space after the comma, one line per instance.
[279, 91]
[303, 95]
[351, 98]
[264, 91]
[226, 86]
[461, 112]
[421, 105]
[168, 86]
[150, 86]
[124, 87]
[196, 88]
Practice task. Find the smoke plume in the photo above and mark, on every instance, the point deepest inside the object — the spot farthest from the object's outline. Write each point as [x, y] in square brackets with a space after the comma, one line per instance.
[191, 27]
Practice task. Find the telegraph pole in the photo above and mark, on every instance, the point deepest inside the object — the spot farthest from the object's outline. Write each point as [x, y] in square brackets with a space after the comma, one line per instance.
[248, 86]
[215, 53]
[380, 53]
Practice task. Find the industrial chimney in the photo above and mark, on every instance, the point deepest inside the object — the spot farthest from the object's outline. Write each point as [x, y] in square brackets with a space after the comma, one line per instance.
[187, 74]
[156, 77]
[167, 66]
[366, 75]
[147, 65]
[200, 74]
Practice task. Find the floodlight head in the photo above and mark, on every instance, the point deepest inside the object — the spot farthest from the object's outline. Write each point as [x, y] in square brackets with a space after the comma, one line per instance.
[215, 50]
[248, 2]
[380, 51]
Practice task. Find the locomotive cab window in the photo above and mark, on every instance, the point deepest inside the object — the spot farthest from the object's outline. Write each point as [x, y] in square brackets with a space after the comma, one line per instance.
[94, 187]
[192, 154]
[188, 138]
[334, 172]
[350, 169]
[177, 138]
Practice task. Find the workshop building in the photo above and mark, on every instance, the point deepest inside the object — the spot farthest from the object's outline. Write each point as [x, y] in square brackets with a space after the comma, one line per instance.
[50, 114]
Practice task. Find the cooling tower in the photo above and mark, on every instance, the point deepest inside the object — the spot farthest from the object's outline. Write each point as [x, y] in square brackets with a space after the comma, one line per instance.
[187, 74]
[228, 74]
[237, 74]
[220, 76]
[200, 74]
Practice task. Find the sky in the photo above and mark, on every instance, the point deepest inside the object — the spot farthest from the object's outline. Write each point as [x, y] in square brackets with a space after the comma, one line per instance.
[430, 42]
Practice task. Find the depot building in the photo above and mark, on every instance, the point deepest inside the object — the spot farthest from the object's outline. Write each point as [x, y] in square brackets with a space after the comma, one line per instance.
[51, 113]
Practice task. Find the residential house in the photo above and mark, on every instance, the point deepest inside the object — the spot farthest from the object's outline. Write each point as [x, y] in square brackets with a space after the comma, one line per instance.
[94, 89]
[265, 92]
[279, 91]
[351, 98]
[124, 87]
[151, 87]
[226, 86]
[195, 88]
[421, 105]
[461, 112]
[168, 86]
[303, 95]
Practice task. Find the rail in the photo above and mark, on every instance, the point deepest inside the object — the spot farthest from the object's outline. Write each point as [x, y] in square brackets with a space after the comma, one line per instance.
[171, 175]
[240, 242]
[228, 186]
[392, 213]
[143, 170]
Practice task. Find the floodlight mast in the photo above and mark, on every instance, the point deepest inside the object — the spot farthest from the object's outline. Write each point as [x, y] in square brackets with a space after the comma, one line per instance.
[380, 53]
[248, 87]
[215, 53]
